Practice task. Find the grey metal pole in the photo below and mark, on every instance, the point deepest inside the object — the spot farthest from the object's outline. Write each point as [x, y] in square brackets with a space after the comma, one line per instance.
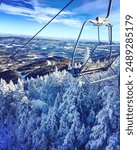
[110, 38]
[98, 33]
[77, 42]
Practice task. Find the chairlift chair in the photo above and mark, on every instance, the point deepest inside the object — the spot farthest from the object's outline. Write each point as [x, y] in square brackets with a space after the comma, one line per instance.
[86, 68]
[92, 67]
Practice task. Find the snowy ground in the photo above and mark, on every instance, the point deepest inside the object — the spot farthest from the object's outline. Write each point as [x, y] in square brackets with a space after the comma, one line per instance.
[59, 112]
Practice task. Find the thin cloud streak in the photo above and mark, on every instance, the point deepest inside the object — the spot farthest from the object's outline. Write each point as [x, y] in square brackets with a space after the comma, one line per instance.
[41, 15]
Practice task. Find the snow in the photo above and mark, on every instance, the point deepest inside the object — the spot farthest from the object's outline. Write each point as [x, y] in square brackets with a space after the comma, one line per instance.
[49, 63]
[58, 111]
[87, 54]
[38, 103]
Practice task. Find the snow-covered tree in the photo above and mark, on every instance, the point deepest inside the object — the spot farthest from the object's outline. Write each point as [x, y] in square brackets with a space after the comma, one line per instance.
[58, 111]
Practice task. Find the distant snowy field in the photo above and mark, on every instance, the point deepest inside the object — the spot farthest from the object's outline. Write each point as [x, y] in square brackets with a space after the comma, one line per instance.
[59, 112]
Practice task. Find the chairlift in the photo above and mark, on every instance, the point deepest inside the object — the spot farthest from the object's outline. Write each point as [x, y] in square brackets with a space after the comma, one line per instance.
[86, 67]
[92, 67]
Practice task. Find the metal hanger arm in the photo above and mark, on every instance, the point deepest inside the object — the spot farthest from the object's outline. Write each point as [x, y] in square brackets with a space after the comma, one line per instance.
[109, 8]
[77, 42]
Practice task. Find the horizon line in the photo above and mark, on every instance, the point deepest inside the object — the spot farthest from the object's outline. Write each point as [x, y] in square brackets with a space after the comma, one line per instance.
[47, 37]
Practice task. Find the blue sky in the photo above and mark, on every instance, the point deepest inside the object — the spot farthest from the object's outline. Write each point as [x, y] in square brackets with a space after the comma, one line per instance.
[26, 17]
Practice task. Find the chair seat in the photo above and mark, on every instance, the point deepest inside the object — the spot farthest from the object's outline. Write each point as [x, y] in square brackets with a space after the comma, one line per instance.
[96, 67]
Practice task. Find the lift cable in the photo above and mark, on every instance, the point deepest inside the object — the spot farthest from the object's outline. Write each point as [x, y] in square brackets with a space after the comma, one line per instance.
[109, 8]
[12, 56]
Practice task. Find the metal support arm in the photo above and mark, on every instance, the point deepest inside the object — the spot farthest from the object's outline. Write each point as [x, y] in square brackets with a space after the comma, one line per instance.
[97, 23]
[77, 42]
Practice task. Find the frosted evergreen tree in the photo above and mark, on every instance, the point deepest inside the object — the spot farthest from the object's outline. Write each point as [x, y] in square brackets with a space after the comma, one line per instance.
[58, 111]
[87, 54]
[107, 120]
[82, 138]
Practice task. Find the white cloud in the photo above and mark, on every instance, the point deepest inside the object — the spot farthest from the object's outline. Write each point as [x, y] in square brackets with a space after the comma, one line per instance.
[71, 22]
[41, 14]
[15, 10]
